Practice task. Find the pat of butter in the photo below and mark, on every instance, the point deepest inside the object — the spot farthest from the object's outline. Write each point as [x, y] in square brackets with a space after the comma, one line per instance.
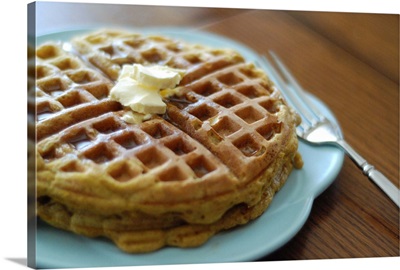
[135, 118]
[160, 77]
[138, 87]
[139, 98]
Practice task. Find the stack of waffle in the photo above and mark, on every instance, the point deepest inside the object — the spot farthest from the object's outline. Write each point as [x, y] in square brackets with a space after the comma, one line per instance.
[213, 161]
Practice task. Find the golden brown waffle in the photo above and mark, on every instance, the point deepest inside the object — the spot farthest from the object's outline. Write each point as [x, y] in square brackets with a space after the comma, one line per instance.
[214, 161]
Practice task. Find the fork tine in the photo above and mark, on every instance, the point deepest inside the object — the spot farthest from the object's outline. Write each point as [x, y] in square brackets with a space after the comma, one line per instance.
[278, 80]
[298, 90]
[289, 95]
[296, 96]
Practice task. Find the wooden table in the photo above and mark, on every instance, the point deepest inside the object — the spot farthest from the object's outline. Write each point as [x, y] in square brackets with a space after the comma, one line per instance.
[350, 61]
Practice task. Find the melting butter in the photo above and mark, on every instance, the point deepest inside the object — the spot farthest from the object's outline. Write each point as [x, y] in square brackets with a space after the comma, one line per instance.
[138, 87]
[160, 77]
[135, 118]
[139, 98]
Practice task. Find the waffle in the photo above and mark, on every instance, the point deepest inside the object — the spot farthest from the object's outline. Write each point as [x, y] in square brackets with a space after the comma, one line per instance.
[213, 161]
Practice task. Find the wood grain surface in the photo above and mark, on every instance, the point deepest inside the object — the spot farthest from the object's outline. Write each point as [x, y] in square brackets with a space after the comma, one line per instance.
[348, 60]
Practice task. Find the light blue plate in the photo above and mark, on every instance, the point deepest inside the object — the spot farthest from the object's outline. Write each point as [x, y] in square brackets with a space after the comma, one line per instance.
[283, 219]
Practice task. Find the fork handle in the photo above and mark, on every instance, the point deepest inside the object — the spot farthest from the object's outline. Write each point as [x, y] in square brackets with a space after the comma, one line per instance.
[373, 174]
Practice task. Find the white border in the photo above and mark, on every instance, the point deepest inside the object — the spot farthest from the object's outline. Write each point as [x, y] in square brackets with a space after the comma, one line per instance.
[13, 232]
[370, 6]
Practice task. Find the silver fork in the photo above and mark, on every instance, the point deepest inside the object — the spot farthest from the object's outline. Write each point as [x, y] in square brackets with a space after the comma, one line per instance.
[316, 128]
